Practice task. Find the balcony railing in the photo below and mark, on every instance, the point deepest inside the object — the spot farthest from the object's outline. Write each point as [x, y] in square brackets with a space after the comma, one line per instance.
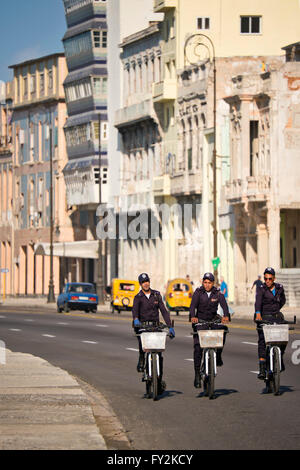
[254, 188]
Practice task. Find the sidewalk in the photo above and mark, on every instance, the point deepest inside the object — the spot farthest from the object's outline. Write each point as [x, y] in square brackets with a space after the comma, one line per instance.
[43, 408]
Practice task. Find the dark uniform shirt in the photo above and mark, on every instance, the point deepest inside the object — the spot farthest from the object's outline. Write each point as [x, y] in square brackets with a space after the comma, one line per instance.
[205, 307]
[266, 302]
[148, 309]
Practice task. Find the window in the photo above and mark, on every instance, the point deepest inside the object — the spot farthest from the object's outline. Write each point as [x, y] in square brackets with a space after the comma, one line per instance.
[25, 87]
[100, 39]
[203, 23]
[79, 90]
[42, 82]
[100, 85]
[104, 130]
[250, 24]
[78, 44]
[50, 79]
[32, 84]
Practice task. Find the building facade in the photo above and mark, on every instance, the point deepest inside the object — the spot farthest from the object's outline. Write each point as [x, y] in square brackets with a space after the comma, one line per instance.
[38, 116]
[6, 189]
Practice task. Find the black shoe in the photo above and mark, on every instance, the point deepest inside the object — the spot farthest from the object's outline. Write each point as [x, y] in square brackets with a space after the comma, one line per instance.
[219, 360]
[197, 381]
[161, 387]
[262, 370]
[141, 364]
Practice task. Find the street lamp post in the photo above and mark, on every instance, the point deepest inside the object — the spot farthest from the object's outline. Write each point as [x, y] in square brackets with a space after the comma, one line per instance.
[34, 118]
[100, 286]
[51, 296]
[196, 42]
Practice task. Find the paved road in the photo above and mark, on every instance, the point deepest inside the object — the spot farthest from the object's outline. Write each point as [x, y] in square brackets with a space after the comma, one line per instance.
[102, 351]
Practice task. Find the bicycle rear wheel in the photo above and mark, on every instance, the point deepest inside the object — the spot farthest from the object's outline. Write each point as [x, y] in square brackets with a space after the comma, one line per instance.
[154, 358]
[276, 372]
[211, 374]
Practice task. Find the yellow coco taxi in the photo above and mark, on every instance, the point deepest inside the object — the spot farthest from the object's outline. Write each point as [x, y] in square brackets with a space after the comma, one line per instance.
[122, 294]
[179, 295]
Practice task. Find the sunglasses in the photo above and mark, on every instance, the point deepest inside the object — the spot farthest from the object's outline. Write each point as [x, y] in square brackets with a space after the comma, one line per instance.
[268, 278]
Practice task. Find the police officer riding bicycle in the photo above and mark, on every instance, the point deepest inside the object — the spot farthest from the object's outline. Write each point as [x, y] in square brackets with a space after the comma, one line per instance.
[204, 306]
[270, 298]
[146, 306]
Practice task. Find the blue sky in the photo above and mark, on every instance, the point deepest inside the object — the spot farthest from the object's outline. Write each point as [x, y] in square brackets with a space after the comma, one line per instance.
[29, 29]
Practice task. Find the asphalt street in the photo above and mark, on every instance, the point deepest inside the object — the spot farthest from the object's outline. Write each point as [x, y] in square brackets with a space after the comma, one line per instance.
[102, 351]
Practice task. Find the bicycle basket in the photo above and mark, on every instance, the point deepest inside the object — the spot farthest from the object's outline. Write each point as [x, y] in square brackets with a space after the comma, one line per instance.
[211, 338]
[154, 341]
[276, 333]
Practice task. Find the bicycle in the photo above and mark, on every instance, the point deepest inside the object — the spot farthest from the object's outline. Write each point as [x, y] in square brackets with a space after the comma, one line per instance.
[210, 340]
[276, 335]
[153, 340]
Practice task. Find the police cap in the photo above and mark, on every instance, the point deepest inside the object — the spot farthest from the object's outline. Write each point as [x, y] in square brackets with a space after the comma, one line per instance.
[143, 278]
[270, 271]
[209, 276]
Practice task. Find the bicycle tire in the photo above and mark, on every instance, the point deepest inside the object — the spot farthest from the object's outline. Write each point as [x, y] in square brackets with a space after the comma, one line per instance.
[154, 376]
[211, 374]
[276, 372]
[148, 379]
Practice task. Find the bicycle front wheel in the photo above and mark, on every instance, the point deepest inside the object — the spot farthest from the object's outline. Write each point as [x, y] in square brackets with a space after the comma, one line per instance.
[211, 374]
[276, 372]
[154, 358]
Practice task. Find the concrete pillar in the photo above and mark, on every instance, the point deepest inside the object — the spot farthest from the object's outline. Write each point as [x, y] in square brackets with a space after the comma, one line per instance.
[262, 248]
[38, 275]
[22, 270]
[30, 270]
[251, 263]
[274, 237]
[245, 144]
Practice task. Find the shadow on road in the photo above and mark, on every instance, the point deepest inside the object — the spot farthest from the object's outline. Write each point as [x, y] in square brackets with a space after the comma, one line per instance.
[283, 389]
[167, 394]
[220, 393]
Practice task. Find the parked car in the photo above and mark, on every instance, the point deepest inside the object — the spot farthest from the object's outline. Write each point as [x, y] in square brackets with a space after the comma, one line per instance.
[179, 295]
[78, 296]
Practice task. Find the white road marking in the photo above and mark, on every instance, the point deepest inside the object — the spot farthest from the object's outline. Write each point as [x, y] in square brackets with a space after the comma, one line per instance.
[254, 371]
[132, 349]
[49, 336]
[189, 360]
[14, 329]
[2, 316]
[28, 319]
[90, 342]
[103, 326]
[62, 323]
[246, 342]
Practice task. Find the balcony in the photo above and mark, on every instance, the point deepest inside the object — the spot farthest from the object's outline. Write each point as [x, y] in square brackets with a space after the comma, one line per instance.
[186, 183]
[161, 6]
[164, 91]
[253, 188]
[161, 186]
[135, 113]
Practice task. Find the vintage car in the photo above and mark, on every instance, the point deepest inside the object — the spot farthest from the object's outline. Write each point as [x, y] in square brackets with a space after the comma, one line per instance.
[123, 292]
[78, 296]
[179, 295]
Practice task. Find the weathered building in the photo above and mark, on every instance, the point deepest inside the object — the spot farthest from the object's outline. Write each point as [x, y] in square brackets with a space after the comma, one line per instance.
[39, 113]
[265, 175]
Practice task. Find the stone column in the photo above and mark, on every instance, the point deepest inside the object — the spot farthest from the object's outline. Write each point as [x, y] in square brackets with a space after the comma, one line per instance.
[274, 237]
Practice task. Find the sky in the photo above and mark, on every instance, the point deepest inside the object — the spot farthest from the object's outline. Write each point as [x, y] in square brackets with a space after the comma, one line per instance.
[29, 29]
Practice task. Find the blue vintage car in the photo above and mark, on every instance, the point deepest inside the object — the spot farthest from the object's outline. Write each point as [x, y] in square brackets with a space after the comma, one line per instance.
[78, 296]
